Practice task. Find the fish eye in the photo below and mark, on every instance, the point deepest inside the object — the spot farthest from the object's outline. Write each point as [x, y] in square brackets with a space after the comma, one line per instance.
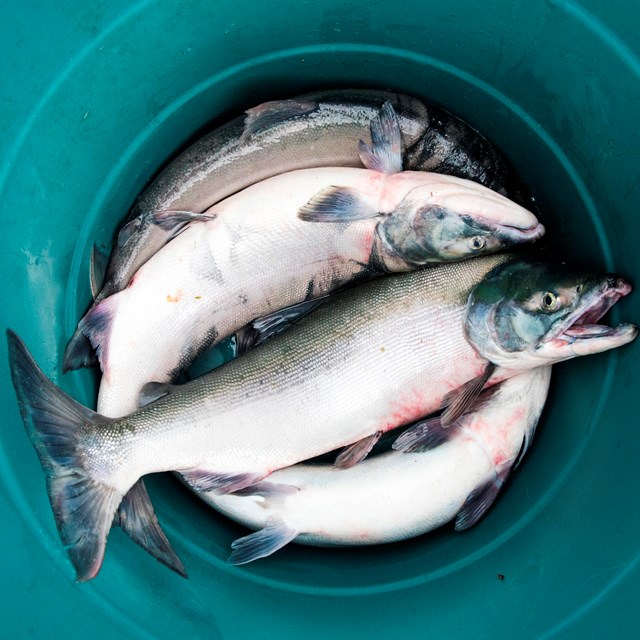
[477, 242]
[579, 289]
[550, 301]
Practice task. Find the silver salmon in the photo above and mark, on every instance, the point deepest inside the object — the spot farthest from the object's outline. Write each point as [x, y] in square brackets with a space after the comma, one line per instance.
[315, 130]
[440, 475]
[269, 247]
[376, 357]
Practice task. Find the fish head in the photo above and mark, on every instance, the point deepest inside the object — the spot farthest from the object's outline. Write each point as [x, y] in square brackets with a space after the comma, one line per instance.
[527, 314]
[454, 219]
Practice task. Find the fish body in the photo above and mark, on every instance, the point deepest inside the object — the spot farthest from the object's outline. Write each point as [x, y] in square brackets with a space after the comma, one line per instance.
[256, 255]
[316, 130]
[373, 358]
[395, 495]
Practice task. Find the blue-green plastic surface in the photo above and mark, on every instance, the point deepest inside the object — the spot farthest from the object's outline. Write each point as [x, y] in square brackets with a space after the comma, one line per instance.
[97, 96]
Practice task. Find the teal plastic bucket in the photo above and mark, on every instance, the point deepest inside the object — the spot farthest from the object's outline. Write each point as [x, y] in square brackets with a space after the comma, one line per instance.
[96, 97]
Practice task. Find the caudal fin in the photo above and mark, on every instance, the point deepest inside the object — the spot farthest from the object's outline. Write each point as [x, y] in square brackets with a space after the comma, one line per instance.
[79, 353]
[83, 507]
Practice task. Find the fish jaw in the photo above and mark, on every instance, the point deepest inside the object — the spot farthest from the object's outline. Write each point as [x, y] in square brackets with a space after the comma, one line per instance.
[509, 323]
[587, 340]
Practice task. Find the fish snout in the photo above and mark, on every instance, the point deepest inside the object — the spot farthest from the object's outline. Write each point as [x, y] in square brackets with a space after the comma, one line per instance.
[617, 286]
[518, 234]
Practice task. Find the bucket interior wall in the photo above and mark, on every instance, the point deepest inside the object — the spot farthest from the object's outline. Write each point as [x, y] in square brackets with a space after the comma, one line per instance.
[97, 99]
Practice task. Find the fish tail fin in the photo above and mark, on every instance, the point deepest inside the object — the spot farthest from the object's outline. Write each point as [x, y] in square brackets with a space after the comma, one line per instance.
[138, 520]
[55, 423]
[78, 353]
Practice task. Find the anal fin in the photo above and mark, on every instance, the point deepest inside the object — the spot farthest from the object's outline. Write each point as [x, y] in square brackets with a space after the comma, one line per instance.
[78, 353]
[96, 326]
[261, 543]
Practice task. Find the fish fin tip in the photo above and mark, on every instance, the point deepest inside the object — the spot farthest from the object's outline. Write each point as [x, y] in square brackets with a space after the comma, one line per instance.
[423, 436]
[268, 114]
[152, 391]
[78, 353]
[98, 262]
[203, 480]
[356, 452]
[479, 501]
[96, 326]
[83, 508]
[337, 204]
[385, 152]
[261, 543]
[138, 520]
[459, 401]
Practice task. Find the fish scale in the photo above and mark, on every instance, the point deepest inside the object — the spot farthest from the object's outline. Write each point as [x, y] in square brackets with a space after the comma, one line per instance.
[394, 496]
[256, 256]
[317, 387]
[373, 358]
[316, 130]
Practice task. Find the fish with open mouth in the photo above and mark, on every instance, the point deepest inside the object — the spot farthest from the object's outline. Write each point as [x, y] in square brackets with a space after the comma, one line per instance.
[284, 242]
[434, 475]
[320, 129]
[373, 358]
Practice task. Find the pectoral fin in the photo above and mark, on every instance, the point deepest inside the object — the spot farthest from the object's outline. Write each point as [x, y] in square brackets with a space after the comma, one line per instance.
[268, 490]
[338, 204]
[261, 543]
[459, 402]
[479, 501]
[357, 452]
[175, 221]
[385, 152]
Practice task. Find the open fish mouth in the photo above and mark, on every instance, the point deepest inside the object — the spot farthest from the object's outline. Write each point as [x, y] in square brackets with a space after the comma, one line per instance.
[583, 324]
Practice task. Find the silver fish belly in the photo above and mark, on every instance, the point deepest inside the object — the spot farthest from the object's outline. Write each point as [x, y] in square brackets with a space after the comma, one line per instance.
[257, 256]
[373, 358]
[316, 130]
[456, 474]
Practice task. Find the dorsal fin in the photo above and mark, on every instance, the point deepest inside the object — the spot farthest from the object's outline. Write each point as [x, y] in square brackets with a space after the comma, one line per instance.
[385, 152]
